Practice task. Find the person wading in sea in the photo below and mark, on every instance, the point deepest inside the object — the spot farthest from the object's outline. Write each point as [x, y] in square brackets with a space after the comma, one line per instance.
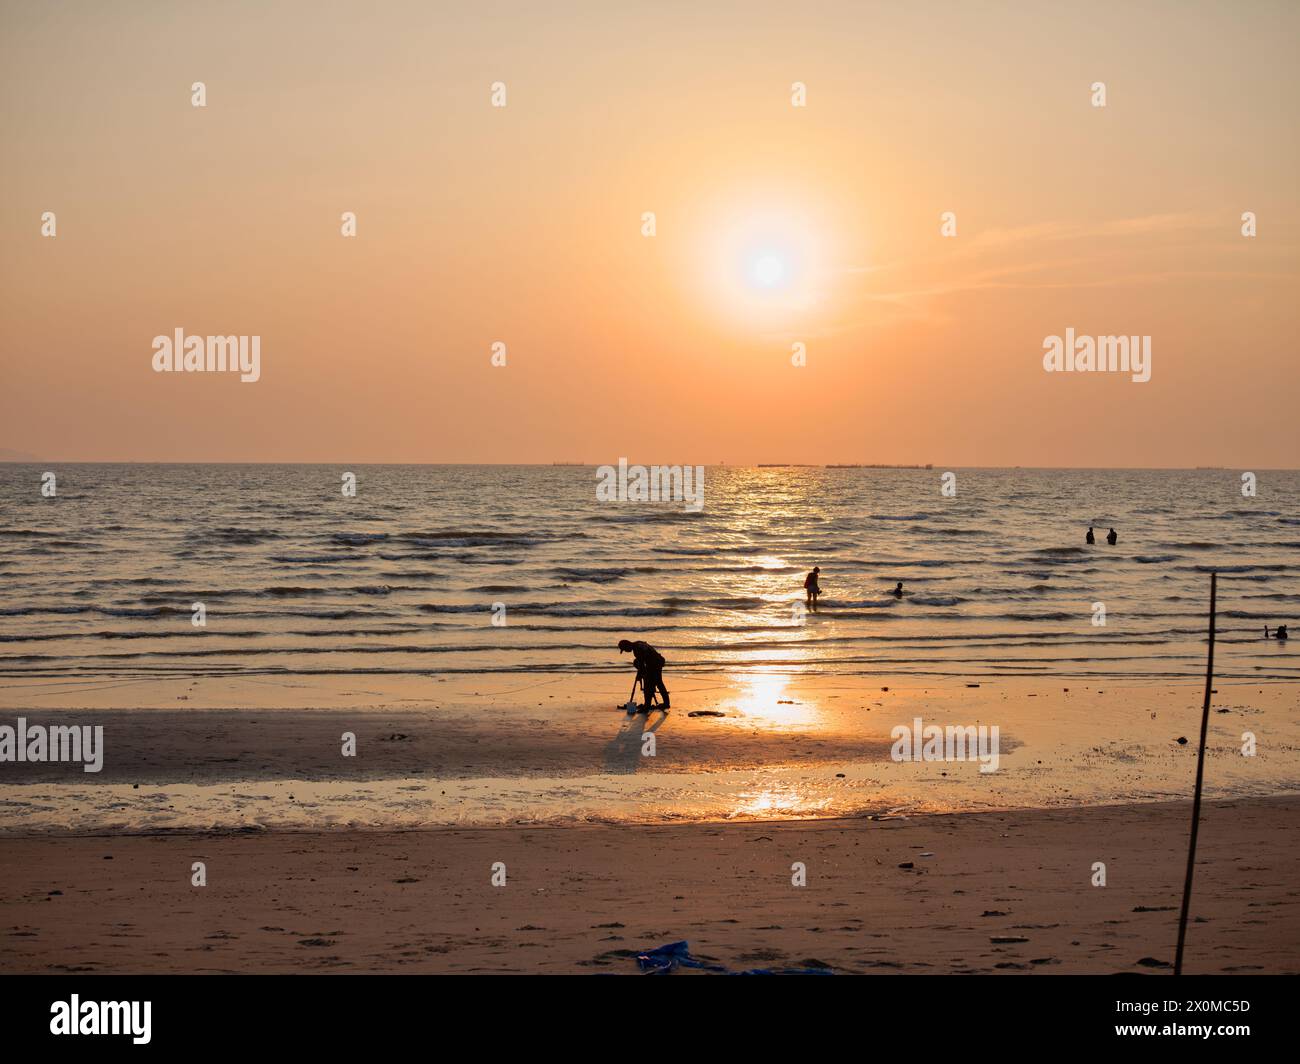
[812, 588]
[649, 669]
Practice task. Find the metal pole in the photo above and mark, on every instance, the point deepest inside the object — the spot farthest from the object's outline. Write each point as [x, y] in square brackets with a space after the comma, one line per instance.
[1200, 776]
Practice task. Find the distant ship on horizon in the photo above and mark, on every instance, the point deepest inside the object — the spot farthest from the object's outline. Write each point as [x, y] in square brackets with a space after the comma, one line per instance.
[876, 465]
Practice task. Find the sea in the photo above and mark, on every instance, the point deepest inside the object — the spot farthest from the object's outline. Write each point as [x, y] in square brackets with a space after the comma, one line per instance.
[455, 569]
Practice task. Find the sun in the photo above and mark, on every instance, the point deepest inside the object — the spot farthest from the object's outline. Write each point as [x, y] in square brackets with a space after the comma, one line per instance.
[768, 270]
[761, 259]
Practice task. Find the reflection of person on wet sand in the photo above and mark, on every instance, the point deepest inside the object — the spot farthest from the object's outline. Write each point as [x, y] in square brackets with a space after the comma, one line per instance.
[812, 588]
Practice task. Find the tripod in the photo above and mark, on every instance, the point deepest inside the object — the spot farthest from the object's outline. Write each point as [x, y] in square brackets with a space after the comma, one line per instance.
[651, 702]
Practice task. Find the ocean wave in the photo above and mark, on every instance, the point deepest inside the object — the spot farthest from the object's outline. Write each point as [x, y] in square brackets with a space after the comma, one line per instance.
[554, 609]
[1258, 568]
[312, 559]
[597, 576]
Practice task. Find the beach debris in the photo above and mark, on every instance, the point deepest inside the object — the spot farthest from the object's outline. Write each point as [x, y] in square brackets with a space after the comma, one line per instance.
[663, 960]
[1153, 908]
[705, 713]
[1151, 962]
[972, 685]
[1181, 740]
[907, 864]
[839, 775]
[1007, 940]
[993, 912]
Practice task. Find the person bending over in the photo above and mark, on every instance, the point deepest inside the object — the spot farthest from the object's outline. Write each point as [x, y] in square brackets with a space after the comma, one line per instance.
[649, 669]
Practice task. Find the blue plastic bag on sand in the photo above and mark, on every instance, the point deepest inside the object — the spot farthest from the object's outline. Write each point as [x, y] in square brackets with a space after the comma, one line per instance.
[663, 959]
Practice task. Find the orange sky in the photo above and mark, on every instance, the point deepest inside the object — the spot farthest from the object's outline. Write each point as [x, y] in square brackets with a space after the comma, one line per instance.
[523, 224]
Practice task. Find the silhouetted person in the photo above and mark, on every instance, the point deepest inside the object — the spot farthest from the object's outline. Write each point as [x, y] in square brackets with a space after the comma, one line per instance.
[1111, 537]
[1279, 634]
[898, 590]
[649, 669]
[812, 588]
[1090, 537]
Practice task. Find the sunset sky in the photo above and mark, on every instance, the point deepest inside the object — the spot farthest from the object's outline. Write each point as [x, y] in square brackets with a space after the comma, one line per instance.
[775, 225]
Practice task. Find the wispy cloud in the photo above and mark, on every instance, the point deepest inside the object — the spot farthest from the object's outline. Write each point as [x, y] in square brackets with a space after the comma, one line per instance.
[1044, 256]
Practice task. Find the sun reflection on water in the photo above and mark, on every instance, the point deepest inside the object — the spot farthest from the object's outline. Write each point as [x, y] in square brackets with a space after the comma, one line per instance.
[763, 699]
[778, 801]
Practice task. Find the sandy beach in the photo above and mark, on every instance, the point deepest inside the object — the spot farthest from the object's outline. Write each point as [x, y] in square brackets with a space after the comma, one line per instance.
[979, 892]
[384, 861]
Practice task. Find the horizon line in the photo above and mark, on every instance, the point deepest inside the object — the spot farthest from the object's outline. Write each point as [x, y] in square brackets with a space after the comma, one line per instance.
[923, 468]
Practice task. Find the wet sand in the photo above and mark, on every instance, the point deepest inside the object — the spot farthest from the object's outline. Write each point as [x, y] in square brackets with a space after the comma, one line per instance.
[985, 892]
[486, 753]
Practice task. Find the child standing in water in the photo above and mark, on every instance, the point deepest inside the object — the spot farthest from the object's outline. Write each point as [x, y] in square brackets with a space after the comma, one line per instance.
[811, 588]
